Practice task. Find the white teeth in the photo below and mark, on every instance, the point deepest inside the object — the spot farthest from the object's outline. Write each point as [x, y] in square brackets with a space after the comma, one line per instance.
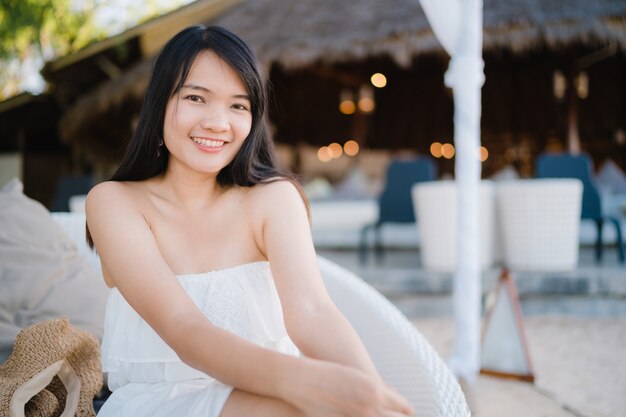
[208, 143]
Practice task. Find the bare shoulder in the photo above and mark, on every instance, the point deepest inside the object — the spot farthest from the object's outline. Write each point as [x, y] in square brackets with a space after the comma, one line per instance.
[113, 203]
[277, 208]
[277, 195]
[108, 194]
[279, 186]
[108, 190]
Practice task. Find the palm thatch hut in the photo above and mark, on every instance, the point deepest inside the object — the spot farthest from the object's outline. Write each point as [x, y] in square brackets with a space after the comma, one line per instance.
[317, 50]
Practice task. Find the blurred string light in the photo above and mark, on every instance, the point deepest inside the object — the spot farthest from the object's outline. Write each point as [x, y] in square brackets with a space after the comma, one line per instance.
[346, 102]
[559, 85]
[378, 80]
[447, 151]
[324, 154]
[435, 149]
[581, 82]
[366, 99]
[484, 154]
[336, 150]
[351, 147]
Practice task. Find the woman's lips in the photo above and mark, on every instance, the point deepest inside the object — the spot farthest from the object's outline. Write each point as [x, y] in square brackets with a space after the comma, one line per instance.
[209, 145]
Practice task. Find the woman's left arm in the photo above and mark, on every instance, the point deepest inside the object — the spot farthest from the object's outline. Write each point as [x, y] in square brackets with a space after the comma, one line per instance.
[313, 322]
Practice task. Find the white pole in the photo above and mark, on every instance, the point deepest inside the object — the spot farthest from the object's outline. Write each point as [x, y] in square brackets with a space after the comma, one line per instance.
[465, 76]
[458, 26]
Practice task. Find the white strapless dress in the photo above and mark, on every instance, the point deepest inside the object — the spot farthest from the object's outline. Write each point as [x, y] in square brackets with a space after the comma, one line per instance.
[146, 376]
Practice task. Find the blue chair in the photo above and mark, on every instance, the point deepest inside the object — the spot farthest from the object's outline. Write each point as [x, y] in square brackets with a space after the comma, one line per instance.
[581, 166]
[394, 203]
[69, 186]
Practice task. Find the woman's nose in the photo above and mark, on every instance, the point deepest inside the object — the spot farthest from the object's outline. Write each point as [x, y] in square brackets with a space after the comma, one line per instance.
[215, 121]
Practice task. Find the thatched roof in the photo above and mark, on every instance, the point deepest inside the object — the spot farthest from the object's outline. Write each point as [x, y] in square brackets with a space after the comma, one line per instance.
[304, 32]
[300, 33]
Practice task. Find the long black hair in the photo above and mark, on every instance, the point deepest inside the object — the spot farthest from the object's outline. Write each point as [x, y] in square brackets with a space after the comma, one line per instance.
[254, 162]
[146, 157]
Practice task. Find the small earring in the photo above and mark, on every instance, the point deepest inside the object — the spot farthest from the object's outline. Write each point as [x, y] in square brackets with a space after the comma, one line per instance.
[159, 149]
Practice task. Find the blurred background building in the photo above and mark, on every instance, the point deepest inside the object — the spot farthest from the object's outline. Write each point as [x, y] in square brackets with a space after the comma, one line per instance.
[354, 84]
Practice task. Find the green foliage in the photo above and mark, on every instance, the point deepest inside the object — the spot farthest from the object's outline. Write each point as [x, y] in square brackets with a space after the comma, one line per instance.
[32, 31]
[35, 31]
[51, 26]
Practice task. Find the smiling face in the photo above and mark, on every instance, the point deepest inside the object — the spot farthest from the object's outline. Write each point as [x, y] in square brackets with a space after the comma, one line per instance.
[208, 120]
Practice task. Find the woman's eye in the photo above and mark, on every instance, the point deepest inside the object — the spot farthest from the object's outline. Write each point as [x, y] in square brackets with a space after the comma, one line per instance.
[239, 107]
[195, 99]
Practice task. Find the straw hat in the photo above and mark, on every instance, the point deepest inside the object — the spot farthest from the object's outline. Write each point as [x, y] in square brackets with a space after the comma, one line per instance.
[54, 368]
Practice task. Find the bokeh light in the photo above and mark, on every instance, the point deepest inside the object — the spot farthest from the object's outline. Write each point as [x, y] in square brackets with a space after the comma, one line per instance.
[347, 107]
[346, 101]
[366, 105]
[435, 149]
[336, 150]
[378, 80]
[324, 154]
[484, 154]
[366, 99]
[447, 150]
[351, 147]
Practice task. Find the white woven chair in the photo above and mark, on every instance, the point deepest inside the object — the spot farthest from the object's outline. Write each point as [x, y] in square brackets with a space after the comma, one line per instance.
[539, 222]
[435, 206]
[401, 354]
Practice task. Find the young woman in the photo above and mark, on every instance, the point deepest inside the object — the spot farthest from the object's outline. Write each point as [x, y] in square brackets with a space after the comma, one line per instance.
[198, 191]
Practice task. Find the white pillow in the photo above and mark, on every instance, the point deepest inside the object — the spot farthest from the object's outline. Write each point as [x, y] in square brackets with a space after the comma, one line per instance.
[42, 275]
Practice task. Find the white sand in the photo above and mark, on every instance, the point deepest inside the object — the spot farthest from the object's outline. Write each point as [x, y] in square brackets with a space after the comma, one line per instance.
[579, 366]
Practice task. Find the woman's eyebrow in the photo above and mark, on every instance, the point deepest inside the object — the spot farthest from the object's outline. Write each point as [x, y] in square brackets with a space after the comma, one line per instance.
[243, 96]
[196, 87]
[206, 90]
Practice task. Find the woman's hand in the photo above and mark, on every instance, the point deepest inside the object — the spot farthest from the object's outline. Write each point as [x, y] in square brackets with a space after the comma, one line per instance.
[326, 389]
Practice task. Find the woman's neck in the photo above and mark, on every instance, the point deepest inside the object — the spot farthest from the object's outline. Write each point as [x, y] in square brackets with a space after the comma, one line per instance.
[190, 190]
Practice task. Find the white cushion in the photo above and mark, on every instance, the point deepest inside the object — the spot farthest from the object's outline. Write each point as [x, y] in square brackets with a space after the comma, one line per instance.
[42, 274]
